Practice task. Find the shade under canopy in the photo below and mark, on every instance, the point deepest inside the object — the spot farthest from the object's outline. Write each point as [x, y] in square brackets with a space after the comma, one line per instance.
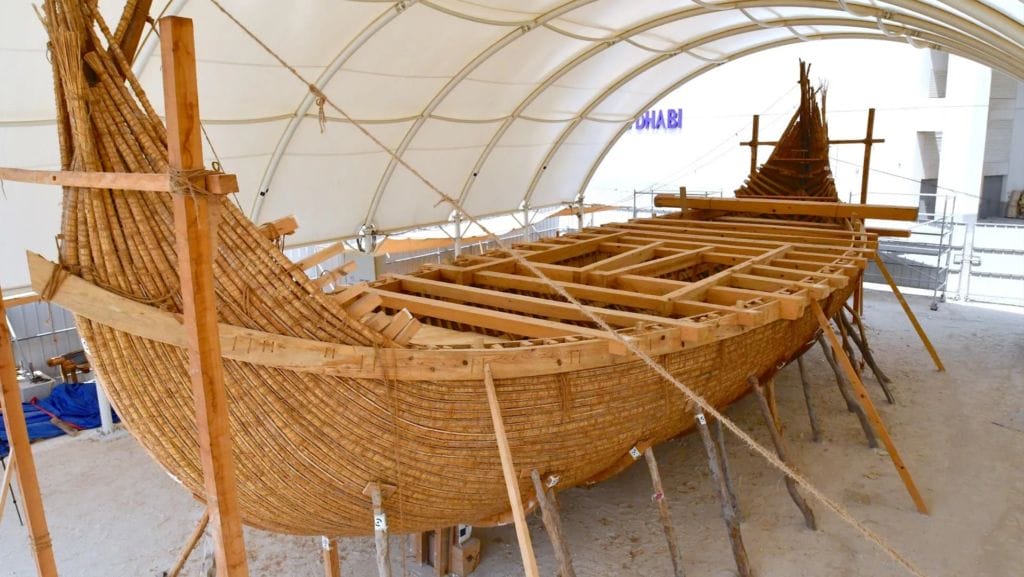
[497, 102]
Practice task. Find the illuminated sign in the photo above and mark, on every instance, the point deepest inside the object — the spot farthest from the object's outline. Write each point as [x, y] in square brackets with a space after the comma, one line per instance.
[664, 119]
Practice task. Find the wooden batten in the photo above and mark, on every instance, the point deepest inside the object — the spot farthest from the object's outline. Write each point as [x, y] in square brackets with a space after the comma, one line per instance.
[793, 207]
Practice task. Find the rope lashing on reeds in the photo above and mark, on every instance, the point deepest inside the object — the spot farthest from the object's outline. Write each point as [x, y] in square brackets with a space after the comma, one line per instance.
[772, 459]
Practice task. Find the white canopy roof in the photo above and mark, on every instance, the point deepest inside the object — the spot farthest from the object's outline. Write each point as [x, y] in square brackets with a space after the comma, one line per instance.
[497, 102]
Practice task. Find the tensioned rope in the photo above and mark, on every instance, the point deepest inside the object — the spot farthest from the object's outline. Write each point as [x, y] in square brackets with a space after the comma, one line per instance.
[692, 395]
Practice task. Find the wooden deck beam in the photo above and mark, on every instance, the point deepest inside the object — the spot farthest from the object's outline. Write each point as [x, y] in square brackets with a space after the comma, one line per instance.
[791, 207]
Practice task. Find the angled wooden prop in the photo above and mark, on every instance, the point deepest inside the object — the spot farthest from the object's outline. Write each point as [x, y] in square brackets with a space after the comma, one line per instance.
[195, 224]
[22, 462]
[508, 469]
[869, 408]
[910, 314]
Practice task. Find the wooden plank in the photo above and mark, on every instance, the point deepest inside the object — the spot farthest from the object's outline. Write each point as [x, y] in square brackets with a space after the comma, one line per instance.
[629, 257]
[364, 304]
[869, 407]
[553, 255]
[865, 168]
[19, 299]
[334, 275]
[190, 545]
[5, 484]
[793, 207]
[132, 33]
[317, 357]
[131, 181]
[791, 306]
[508, 470]
[910, 314]
[540, 306]
[21, 455]
[195, 224]
[320, 256]
[276, 229]
[330, 556]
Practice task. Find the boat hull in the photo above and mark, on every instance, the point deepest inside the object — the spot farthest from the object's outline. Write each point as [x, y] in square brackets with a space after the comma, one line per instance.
[306, 444]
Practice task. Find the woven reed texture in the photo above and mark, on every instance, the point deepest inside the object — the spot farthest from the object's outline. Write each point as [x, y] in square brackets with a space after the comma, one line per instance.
[307, 444]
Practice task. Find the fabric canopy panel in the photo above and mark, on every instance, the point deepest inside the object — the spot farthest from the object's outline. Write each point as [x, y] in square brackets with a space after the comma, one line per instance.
[497, 103]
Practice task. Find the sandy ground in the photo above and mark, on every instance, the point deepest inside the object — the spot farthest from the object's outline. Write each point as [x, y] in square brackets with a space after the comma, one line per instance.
[113, 511]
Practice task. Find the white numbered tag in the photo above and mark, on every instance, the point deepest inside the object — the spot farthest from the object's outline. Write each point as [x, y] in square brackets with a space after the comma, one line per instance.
[635, 453]
[701, 419]
[326, 543]
[380, 522]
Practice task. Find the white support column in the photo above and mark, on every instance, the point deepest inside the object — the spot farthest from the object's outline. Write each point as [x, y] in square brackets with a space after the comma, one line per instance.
[106, 415]
[457, 239]
[964, 127]
[526, 222]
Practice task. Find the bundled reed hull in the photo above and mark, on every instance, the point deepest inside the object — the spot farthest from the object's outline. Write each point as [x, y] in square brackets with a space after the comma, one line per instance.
[714, 305]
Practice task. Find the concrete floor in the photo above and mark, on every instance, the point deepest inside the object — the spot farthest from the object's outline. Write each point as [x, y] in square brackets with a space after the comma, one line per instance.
[113, 511]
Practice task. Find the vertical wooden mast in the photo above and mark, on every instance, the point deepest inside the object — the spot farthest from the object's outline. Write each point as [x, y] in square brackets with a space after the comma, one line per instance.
[195, 225]
[21, 455]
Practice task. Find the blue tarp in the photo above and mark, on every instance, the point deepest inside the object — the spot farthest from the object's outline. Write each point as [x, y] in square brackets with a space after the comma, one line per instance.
[73, 403]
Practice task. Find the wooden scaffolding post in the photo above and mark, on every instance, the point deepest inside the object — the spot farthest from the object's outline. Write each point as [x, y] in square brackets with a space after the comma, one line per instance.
[754, 144]
[866, 168]
[21, 462]
[729, 512]
[869, 407]
[190, 545]
[553, 524]
[332, 560]
[376, 493]
[910, 313]
[780, 450]
[195, 225]
[515, 500]
[664, 513]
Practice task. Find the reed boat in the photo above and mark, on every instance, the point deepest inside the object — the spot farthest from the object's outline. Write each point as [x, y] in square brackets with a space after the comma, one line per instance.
[384, 381]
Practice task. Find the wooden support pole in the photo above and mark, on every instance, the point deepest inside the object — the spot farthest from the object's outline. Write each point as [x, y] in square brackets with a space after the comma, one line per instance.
[195, 225]
[732, 522]
[780, 450]
[331, 557]
[851, 403]
[812, 416]
[866, 168]
[869, 408]
[22, 461]
[664, 513]
[869, 358]
[553, 524]
[190, 545]
[5, 485]
[753, 145]
[909, 313]
[380, 528]
[723, 457]
[515, 500]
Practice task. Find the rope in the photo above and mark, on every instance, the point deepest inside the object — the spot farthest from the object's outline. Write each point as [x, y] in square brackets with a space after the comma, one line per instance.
[769, 456]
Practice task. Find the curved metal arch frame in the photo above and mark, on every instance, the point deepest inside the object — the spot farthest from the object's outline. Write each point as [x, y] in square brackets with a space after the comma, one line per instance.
[870, 11]
[1008, 29]
[339, 60]
[450, 86]
[738, 30]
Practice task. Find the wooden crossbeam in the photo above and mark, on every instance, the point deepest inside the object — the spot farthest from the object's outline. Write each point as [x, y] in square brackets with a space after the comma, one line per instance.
[320, 256]
[792, 207]
[532, 305]
[140, 182]
[755, 240]
[19, 299]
